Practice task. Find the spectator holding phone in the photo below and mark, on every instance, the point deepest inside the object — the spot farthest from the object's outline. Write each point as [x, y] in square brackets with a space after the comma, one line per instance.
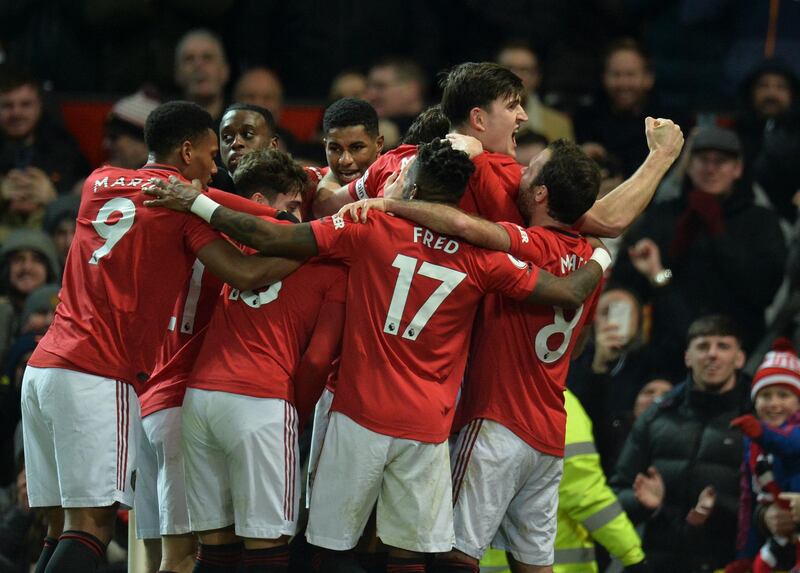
[618, 362]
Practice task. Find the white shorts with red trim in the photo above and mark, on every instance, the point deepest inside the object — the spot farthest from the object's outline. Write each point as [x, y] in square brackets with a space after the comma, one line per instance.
[160, 480]
[410, 481]
[241, 463]
[505, 493]
[81, 437]
[322, 412]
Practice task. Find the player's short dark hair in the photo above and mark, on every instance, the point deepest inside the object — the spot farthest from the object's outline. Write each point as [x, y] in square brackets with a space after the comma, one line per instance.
[269, 171]
[12, 77]
[440, 172]
[572, 180]
[627, 45]
[713, 325]
[428, 125]
[349, 112]
[174, 122]
[269, 119]
[471, 85]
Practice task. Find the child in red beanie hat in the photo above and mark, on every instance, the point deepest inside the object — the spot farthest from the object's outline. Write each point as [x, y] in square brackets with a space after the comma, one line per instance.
[772, 457]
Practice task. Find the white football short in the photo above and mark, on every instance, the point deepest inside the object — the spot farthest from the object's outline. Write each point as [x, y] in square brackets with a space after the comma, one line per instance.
[241, 461]
[505, 493]
[322, 413]
[160, 480]
[80, 436]
[410, 481]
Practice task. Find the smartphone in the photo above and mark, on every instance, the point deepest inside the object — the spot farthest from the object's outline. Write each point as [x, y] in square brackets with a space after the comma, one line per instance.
[619, 313]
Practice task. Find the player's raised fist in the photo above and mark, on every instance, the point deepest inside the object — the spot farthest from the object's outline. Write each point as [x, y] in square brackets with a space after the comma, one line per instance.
[663, 136]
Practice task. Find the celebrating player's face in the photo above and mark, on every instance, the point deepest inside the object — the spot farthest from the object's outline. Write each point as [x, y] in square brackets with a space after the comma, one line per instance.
[201, 163]
[350, 151]
[240, 132]
[501, 122]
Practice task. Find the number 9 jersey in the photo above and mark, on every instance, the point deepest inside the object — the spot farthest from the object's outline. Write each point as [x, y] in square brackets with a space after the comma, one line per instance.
[125, 268]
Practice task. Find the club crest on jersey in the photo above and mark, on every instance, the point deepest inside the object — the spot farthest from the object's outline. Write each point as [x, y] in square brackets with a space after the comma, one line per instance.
[570, 262]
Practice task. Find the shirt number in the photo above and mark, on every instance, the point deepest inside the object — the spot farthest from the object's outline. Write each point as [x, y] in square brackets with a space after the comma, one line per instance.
[560, 326]
[408, 265]
[114, 232]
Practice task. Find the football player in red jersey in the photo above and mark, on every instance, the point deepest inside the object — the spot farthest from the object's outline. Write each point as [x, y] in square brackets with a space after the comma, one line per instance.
[482, 101]
[513, 391]
[267, 177]
[403, 353]
[123, 274]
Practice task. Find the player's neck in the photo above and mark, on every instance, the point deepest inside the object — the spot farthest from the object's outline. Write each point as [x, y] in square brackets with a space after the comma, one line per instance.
[542, 219]
[169, 161]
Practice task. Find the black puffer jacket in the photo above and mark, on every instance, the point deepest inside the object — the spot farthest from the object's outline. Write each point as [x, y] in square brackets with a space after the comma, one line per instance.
[688, 439]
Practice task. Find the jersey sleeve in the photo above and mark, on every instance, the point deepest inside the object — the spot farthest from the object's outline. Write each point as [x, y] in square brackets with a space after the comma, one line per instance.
[509, 276]
[365, 187]
[337, 237]
[524, 245]
[237, 203]
[198, 234]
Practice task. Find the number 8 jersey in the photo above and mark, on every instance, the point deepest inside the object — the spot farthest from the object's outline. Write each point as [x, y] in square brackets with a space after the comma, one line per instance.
[125, 268]
[411, 301]
[520, 354]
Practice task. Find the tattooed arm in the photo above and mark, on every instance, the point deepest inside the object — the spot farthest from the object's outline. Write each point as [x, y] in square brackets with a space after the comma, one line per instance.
[268, 238]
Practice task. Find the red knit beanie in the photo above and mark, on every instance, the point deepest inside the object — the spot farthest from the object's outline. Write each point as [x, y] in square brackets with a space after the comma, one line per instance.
[781, 366]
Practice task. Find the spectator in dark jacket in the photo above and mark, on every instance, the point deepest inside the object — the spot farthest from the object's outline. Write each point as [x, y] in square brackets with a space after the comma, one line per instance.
[769, 127]
[678, 471]
[718, 251]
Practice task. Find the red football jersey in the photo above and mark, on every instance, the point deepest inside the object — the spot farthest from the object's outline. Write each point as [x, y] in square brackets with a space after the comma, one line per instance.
[371, 183]
[491, 191]
[520, 354]
[124, 271]
[411, 301]
[191, 315]
[256, 338]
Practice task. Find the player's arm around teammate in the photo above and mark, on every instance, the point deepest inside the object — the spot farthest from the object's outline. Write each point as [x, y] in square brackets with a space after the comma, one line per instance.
[298, 241]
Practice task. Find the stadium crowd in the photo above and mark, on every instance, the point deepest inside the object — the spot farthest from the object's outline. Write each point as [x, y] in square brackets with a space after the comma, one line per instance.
[400, 344]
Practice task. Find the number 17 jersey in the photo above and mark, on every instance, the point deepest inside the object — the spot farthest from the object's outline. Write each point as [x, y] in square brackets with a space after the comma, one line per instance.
[411, 300]
[125, 268]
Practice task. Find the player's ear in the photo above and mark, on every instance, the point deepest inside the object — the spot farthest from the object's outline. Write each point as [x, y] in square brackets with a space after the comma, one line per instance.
[477, 121]
[541, 193]
[186, 152]
[379, 143]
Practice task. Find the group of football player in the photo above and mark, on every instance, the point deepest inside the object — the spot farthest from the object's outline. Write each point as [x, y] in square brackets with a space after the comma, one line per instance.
[225, 328]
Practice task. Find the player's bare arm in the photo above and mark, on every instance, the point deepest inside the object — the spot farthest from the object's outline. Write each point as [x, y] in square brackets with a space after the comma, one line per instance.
[330, 197]
[241, 271]
[437, 217]
[569, 291]
[296, 241]
[615, 212]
